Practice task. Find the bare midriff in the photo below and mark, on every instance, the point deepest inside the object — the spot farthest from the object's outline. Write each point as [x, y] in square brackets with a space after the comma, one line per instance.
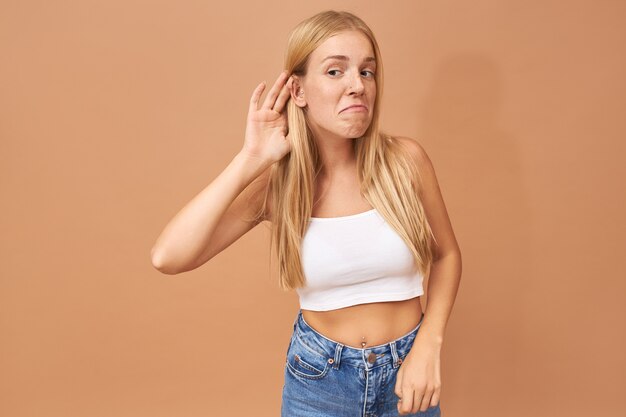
[373, 323]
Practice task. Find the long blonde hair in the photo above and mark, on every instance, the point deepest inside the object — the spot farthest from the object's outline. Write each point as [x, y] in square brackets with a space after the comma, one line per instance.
[388, 175]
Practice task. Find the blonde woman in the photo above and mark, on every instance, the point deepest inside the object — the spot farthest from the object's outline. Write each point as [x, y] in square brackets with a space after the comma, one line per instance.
[358, 221]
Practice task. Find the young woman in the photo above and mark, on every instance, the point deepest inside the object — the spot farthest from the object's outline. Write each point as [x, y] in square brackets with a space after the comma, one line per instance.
[358, 221]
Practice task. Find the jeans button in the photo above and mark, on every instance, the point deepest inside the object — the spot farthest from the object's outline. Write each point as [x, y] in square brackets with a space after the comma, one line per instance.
[371, 358]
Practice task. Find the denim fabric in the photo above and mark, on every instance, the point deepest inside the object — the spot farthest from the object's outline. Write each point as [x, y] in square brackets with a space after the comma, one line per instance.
[326, 378]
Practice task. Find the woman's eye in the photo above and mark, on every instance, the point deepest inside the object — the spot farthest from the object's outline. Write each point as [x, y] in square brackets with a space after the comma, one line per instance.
[365, 71]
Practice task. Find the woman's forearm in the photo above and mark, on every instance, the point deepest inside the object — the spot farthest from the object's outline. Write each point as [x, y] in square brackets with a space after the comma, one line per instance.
[443, 284]
[188, 233]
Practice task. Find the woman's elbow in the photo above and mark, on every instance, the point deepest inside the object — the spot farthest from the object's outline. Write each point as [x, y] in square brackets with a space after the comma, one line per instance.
[161, 264]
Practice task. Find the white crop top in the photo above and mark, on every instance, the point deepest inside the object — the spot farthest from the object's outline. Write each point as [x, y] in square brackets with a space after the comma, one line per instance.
[355, 259]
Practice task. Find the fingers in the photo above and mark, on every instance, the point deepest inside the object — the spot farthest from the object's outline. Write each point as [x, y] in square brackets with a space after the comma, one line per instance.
[284, 96]
[414, 401]
[405, 406]
[277, 96]
[268, 104]
[418, 401]
[256, 94]
[405, 402]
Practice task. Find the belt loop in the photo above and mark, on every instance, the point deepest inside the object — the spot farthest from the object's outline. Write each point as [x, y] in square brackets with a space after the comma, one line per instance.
[338, 349]
[295, 322]
[394, 354]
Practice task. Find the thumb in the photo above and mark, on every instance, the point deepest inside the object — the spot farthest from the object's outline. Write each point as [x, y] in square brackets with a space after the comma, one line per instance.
[398, 387]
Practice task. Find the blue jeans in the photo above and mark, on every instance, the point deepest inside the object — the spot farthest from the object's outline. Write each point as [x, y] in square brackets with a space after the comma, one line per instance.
[324, 378]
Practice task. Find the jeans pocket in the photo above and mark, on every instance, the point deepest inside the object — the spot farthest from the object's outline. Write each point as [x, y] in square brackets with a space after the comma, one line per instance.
[305, 362]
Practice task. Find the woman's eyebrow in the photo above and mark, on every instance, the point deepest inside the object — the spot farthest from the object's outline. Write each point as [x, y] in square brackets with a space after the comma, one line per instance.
[345, 58]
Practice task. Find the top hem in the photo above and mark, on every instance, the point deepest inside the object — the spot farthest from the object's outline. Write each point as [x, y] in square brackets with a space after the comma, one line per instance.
[363, 300]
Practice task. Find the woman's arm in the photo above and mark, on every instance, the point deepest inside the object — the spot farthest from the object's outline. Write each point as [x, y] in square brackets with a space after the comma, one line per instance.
[215, 217]
[445, 274]
[418, 382]
[212, 220]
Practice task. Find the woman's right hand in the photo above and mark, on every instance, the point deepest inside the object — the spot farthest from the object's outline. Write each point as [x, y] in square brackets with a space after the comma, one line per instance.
[267, 127]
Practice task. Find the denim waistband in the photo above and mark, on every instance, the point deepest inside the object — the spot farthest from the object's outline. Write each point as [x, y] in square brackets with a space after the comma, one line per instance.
[368, 357]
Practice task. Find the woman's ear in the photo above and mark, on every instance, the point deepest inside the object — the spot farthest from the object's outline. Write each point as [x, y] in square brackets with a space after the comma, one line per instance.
[297, 93]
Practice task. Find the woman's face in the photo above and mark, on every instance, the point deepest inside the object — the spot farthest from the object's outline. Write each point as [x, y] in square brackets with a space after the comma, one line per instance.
[340, 74]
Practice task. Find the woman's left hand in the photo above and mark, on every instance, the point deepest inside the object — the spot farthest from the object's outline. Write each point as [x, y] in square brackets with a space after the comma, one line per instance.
[418, 381]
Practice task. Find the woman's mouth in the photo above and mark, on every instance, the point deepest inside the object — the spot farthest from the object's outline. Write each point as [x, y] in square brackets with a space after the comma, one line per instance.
[355, 108]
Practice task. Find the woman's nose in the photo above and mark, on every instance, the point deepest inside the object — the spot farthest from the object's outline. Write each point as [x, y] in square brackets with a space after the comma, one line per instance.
[356, 83]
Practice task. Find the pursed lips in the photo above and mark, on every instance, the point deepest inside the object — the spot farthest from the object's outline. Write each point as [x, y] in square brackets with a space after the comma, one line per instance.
[356, 106]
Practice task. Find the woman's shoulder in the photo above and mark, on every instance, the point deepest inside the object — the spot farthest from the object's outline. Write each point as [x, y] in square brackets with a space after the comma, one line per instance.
[413, 146]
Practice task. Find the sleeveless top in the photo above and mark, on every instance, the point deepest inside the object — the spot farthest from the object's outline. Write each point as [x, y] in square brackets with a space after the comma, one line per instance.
[355, 259]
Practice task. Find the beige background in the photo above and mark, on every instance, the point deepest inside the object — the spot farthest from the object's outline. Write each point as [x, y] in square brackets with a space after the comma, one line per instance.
[113, 114]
